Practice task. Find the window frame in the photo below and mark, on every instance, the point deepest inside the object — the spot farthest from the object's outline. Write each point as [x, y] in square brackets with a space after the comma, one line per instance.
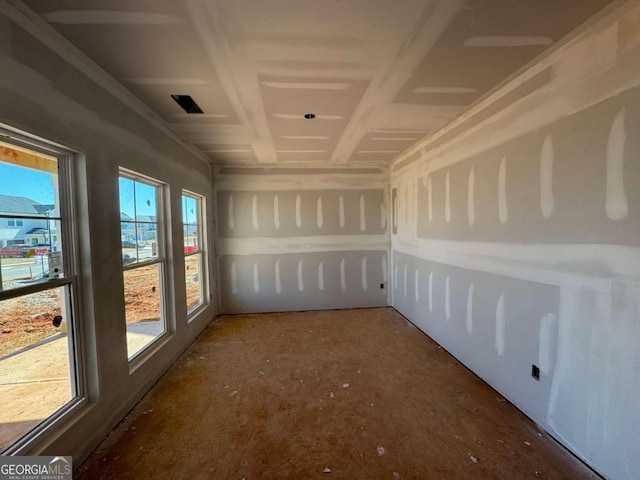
[192, 313]
[68, 217]
[161, 191]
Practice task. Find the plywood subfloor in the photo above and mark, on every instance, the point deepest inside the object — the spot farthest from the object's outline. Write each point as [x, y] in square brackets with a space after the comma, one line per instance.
[361, 393]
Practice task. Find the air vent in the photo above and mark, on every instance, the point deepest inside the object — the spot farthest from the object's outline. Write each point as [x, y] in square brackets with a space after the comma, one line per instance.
[187, 103]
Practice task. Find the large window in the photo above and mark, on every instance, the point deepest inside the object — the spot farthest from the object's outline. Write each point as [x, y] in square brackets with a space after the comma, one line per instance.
[194, 261]
[40, 378]
[143, 259]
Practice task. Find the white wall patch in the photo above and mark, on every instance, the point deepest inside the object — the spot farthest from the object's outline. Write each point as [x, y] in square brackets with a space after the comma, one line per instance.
[319, 215]
[255, 223]
[547, 204]
[256, 278]
[471, 202]
[500, 326]
[232, 222]
[503, 209]
[447, 198]
[431, 292]
[547, 343]
[298, 211]
[616, 204]
[384, 269]
[470, 309]
[300, 279]
[429, 199]
[234, 279]
[277, 274]
[405, 280]
[276, 212]
[447, 298]
[363, 274]
[321, 276]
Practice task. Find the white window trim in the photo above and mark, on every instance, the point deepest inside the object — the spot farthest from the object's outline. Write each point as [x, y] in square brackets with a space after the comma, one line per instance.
[161, 188]
[68, 213]
[202, 250]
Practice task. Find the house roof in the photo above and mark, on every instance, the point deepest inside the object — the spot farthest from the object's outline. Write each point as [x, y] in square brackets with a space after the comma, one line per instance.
[37, 231]
[12, 204]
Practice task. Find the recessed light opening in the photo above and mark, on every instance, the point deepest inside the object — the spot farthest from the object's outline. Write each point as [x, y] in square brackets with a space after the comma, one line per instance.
[187, 103]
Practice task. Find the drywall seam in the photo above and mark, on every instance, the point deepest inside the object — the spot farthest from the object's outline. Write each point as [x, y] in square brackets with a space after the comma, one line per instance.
[550, 264]
[561, 97]
[600, 21]
[259, 183]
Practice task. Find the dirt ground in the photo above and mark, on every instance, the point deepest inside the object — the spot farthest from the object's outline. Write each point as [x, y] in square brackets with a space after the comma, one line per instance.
[27, 320]
[33, 385]
[355, 394]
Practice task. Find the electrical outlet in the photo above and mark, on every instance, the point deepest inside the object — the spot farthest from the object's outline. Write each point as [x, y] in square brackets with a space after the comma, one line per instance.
[382, 286]
[535, 372]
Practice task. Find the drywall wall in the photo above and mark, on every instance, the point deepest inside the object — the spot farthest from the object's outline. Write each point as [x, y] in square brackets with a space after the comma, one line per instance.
[515, 241]
[49, 90]
[294, 240]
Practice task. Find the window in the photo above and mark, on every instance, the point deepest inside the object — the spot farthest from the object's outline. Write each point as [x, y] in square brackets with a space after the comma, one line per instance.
[194, 254]
[141, 221]
[40, 379]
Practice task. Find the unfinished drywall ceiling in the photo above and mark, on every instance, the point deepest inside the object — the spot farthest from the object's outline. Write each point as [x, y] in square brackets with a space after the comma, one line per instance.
[378, 75]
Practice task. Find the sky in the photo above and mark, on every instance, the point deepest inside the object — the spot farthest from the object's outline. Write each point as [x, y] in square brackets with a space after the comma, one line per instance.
[142, 195]
[22, 182]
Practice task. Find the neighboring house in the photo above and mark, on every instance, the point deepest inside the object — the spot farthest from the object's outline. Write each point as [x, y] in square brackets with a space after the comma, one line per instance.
[147, 230]
[16, 228]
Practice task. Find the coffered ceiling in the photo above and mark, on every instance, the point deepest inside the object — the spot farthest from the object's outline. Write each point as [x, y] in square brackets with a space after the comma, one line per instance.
[378, 75]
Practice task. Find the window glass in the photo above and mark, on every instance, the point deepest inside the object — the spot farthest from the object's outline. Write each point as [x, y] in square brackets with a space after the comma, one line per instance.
[143, 306]
[37, 346]
[142, 260]
[193, 276]
[192, 206]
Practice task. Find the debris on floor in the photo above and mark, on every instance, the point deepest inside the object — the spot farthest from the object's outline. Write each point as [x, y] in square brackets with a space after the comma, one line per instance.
[345, 385]
[408, 392]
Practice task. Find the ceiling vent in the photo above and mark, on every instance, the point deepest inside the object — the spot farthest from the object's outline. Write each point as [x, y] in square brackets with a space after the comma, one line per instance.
[187, 103]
